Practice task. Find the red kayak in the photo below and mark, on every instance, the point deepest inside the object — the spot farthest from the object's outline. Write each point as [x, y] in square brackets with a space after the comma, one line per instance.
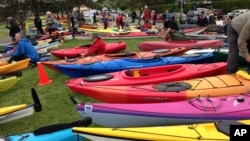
[189, 44]
[212, 86]
[74, 52]
[195, 30]
[159, 74]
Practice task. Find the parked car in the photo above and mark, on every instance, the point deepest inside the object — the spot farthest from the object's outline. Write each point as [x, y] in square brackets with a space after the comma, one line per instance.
[237, 12]
[192, 16]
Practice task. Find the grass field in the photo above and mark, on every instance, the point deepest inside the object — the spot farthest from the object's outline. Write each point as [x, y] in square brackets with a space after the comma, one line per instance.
[55, 97]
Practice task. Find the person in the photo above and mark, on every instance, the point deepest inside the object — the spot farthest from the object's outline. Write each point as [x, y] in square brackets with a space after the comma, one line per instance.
[23, 50]
[225, 23]
[72, 20]
[13, 27]
[94, 19]
[153, 17]
[146, 15]
[133, 16]
[50, 22]
[170, 27]
[202, 20]
[38, 24]
[146, 26]
[105, 15]
[98, 46]
[238, 34]
[168, 14]
[119, 21]
[211, 19]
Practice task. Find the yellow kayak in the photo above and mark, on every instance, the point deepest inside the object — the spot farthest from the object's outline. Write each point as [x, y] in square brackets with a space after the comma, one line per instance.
[10, 113]
[10, 109]
[6, 84]
[197, 132]
[13, 67]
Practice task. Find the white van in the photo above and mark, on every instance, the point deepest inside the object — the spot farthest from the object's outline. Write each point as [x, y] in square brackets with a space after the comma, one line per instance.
[88, 15]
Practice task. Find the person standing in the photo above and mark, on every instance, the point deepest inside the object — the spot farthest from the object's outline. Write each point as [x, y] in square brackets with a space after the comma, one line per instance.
[24, 50]
[105, 17]
[133, 16]
[153, 17]
[72, 20]
[202, 20]
[50, 22]
[238, 34]
[146, 15]
[38, 24]
[13, 27]
[94, 19]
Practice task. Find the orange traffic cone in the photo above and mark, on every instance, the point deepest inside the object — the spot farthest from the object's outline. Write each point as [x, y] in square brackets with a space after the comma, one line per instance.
[43, 78]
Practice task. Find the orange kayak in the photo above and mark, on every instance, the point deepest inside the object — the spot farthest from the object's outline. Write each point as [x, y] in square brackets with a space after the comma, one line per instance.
[5, 67]
[106, 57]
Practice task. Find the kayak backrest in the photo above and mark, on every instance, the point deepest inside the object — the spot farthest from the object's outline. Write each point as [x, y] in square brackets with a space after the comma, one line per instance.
[57, 127]
[224, 126]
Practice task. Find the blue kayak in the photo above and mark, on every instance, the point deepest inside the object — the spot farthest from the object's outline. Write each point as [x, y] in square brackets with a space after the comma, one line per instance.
[56, 132]
[83, 70]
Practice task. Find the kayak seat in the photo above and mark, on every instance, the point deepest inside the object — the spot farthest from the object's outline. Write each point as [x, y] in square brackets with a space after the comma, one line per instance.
[224, 126]
[172, 87]
[57, 127]
[128, 72]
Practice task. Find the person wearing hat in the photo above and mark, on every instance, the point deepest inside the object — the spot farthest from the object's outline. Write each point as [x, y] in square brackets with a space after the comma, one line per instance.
[98, 46]
[38, 24]
[13, 27]
[146, 15]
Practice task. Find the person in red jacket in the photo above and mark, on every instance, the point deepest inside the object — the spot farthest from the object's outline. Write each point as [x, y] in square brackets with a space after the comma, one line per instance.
[146, 15]
[119, 21]
[98, 46]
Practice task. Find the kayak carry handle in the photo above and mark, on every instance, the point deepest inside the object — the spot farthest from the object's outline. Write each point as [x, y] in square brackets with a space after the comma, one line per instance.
[37, 104]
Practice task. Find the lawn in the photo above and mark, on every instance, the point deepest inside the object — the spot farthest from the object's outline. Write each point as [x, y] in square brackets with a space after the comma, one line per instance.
[55, 97]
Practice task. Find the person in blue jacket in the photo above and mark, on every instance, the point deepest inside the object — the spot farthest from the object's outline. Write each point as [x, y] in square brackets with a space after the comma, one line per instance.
[24, 49]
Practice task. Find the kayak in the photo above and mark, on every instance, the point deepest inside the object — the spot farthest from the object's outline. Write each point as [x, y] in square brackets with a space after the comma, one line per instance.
[80, 70]
[189, 44]
[106, 57]
[213, 86]
[75, 51]
[13, 67]
[45, 47]
[217, 131]
[7, 83]
[130, 35]
[208, 50]
[54, 132]
[183, 36]
[158, 74]
[194, 110]
[194, 30]
[223, 55]
[101, 30]
[11, 113]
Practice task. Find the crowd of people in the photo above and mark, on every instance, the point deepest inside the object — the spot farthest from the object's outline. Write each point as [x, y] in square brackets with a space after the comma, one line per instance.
[237, 30]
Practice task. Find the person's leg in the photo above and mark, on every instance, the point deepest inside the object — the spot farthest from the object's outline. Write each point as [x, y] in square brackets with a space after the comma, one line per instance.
[233, 56]
[17, 58]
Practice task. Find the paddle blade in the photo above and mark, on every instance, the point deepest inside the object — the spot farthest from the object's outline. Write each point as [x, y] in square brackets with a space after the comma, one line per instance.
[37, 103]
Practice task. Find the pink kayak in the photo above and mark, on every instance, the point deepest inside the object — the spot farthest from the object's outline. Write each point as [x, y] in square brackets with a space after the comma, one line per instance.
[74, 52]
[196, 110]
[189, 44]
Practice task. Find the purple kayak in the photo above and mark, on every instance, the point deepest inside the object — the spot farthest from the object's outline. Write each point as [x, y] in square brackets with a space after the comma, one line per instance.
[196, 110]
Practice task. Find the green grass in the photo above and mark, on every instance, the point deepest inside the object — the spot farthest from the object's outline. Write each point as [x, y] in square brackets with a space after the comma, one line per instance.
[55, 97]
[3, 31]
